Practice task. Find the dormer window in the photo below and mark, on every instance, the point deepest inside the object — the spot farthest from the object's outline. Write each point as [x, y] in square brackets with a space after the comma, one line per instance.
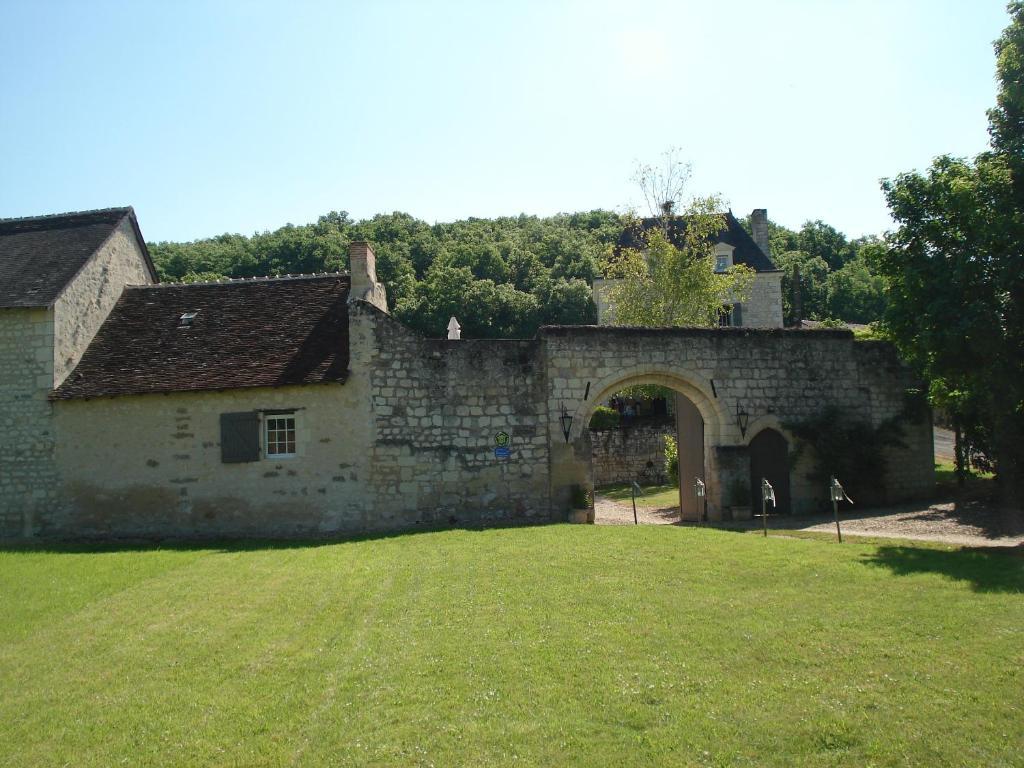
[186, 319]
[723, 257]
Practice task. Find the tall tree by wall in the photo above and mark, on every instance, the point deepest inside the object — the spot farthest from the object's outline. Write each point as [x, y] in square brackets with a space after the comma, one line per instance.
[956, 277]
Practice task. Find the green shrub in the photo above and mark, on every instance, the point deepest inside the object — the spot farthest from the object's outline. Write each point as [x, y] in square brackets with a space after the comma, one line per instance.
[604, 418]
[672, 459]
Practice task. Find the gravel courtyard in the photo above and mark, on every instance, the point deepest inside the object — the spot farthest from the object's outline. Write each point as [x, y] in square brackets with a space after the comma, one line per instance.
[969, 524]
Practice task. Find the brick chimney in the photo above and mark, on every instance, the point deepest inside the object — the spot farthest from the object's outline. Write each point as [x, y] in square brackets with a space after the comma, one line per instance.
[759, 226]
[363, 270]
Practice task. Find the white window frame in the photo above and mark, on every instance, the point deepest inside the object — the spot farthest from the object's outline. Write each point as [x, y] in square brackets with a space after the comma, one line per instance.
[272, 417]
[723, 250]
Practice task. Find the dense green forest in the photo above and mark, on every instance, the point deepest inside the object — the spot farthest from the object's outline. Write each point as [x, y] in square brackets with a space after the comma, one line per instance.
[505, 277]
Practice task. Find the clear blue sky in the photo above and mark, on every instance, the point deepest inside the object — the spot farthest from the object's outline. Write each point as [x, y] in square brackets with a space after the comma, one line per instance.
[243, 116]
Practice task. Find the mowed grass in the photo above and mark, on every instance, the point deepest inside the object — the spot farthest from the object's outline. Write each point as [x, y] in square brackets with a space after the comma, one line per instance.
[659, 496]
[560, 645]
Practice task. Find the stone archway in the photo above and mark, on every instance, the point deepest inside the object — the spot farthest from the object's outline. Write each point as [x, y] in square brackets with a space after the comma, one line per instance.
[698, 427]
[740, 380]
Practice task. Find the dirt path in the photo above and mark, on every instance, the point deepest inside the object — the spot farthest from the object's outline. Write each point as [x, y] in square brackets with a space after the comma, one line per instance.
[609, 512]
[968, 524]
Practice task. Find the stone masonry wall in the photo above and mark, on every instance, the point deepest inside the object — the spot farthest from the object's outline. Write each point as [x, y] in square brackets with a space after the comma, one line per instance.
[150, 465]
[84, 303]
[774, 376]
[630, 453]
[764, 307]
[437, 407]
[28, 475]
[409, 439]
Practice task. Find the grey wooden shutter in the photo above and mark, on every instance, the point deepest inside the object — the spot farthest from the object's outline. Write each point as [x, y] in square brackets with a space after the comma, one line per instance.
[737, 314]
[239, 437]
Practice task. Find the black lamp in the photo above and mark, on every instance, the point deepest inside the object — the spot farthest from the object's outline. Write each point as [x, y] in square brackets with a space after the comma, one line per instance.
[566, 421]
[742, 419]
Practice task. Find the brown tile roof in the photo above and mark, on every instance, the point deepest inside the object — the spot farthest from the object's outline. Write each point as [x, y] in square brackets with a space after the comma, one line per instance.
[246, 333]
[39, 255]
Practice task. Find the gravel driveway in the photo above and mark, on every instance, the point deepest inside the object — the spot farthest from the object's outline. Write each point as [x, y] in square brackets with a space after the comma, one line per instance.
[971, 523]
[968, 523]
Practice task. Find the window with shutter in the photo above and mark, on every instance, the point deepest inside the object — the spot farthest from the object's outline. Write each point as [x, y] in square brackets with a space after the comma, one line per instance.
[239, 437]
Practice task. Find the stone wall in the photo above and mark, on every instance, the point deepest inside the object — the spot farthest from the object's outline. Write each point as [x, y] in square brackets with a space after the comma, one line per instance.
[150, 465]
[438, 406]
[407, 441]
[764, 307]
[630, 453]
[28, 476]
[774, 376]
[86, 301]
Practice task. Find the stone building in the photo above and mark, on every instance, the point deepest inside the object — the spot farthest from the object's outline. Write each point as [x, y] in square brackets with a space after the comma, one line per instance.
[298, 406]
[733, 245]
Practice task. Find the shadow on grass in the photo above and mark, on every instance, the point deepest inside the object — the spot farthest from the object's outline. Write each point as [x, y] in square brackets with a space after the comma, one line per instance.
[226, 544]
[988, 569]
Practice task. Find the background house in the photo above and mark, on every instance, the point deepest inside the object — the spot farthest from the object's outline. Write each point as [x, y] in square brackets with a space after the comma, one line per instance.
[733, 245]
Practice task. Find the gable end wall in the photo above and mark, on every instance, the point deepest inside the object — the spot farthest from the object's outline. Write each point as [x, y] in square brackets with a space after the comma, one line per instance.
[86, 301]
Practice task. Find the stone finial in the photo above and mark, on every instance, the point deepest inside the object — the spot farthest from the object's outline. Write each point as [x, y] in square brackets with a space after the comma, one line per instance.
[759, 227]
[363, 271]
[454, 329]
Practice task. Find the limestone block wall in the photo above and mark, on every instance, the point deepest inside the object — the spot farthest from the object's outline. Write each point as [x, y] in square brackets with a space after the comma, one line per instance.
[86, 301]
[150, 465]
[437, 407]
[774, 376]
[630, 453]
[764, 307]
[911, 467]
[28, 475]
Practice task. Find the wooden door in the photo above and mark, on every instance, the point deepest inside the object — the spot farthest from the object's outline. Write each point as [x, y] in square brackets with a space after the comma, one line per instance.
[769, 458]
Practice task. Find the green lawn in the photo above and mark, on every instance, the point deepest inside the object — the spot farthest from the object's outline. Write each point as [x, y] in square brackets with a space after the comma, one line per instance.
[659, 496]
[582, 645]
[976, 485]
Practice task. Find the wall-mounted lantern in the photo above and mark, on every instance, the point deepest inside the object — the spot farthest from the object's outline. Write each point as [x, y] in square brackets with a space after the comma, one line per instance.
[566, 421]
[742, 419]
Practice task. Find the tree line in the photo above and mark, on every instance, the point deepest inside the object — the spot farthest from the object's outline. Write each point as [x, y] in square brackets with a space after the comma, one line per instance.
[505, 277]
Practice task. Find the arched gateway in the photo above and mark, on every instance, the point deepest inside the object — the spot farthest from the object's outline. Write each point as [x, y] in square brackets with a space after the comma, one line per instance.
[732, 383]
[697, 422]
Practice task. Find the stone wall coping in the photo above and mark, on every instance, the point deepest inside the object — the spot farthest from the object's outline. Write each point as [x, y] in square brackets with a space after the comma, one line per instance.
[692, 331]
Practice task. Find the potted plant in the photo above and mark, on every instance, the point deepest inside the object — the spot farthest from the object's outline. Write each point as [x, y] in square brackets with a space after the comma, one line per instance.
[581, 503]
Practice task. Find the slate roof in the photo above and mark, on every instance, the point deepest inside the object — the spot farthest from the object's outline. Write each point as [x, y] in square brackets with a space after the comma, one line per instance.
[265, 332]
[40, 255]
[746, 250]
